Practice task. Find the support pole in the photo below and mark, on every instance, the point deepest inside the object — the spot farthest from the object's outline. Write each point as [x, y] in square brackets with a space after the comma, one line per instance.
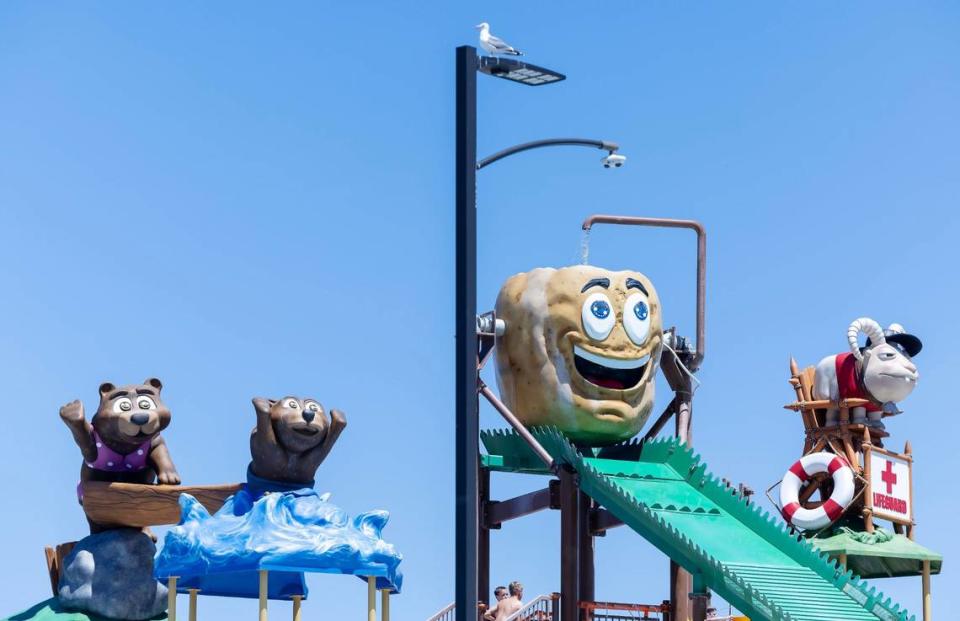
[681, 583]
[483, 540]
[467, 406]
[587, 586]
[263, 595]
[927, 600]
[193, 603]
[843, 560]
[371, 598]
[700, 599]
[172, 598]
[385, 605]
[296, 607]
[569, 546]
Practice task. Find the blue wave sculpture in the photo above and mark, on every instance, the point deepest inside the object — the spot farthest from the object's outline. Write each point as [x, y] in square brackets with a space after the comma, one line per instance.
[286, 533]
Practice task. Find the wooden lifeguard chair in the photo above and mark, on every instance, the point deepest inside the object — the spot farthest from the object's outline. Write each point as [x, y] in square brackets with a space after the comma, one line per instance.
[862, 447]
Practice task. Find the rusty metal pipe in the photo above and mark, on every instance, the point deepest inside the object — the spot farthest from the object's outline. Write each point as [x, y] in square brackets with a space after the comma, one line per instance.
[509, 416]
[701, 263]
[657, 426]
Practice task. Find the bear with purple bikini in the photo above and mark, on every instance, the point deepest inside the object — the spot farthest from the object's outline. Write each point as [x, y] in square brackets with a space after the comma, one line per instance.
[122, 442]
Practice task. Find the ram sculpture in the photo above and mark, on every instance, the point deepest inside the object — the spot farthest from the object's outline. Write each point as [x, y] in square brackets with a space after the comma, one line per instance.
[882, 372]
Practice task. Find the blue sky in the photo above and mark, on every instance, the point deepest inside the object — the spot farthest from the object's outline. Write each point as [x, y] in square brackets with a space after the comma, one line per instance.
[244, 200]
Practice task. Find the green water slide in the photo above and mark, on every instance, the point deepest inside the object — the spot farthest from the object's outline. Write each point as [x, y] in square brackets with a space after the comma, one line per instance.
[747, 556]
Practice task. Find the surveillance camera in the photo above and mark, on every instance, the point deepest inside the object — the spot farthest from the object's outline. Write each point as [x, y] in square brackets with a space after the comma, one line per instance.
[614, 160]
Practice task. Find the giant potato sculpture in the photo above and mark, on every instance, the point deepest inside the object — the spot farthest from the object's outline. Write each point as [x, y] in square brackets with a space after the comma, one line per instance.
[580, 351]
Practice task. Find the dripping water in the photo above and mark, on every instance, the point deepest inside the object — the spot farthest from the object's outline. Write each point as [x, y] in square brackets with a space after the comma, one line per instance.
[585, 247]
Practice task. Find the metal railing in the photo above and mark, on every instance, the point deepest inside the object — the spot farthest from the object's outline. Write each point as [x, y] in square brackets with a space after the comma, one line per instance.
[541, 608]
[616, 611]
[446, 614]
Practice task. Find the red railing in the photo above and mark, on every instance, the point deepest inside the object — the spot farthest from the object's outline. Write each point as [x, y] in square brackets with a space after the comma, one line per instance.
[617, 611]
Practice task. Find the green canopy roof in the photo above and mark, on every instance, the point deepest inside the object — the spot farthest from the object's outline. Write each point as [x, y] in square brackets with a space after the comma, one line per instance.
[880, 554]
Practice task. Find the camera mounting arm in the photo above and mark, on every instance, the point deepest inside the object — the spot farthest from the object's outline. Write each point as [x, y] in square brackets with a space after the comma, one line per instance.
[604, 145]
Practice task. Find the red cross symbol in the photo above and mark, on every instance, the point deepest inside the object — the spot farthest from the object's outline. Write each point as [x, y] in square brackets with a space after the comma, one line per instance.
[889, 477]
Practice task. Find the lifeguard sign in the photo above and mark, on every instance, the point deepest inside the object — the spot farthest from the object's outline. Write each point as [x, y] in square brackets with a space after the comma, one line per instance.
[891, 490]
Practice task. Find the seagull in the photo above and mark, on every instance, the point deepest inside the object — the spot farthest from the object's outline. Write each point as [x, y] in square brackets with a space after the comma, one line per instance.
[493, 44]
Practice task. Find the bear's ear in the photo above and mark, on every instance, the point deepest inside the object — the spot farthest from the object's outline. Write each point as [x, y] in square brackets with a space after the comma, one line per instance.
[106, 387]
[153, 383]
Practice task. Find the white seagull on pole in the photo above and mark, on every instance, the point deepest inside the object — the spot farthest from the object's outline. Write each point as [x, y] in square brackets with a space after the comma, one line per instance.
[495, 45]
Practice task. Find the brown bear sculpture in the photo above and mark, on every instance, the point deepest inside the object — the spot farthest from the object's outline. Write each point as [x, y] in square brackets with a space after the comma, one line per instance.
[122, 442]
[292, 438]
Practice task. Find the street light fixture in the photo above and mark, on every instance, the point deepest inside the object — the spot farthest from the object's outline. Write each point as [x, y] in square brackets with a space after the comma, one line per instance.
[518, 71]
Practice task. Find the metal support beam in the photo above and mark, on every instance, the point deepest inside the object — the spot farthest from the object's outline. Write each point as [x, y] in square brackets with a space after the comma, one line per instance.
[501, 511]
[569, 545]
[587, 586]
[699, 599]
[519, 427]
[483, 539]
[682, 385]
[668, 412]
[467, 406]
[601, 521]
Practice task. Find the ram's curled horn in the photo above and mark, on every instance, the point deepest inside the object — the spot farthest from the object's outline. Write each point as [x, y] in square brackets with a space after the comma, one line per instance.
[869, 327]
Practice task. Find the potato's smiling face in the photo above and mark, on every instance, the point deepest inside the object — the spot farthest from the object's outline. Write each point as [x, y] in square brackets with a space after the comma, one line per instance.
[581, 350]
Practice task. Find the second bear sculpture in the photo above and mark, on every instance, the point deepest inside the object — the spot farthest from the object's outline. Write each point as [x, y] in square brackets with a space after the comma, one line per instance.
[292, 438]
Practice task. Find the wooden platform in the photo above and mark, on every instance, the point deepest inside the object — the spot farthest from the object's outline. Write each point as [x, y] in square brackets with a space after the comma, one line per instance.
[135, 505]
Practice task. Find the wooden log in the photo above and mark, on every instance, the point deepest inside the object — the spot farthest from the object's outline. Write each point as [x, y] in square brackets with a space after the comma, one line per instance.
[135, 505]
[52, 569]
[927, 600]
[868, 496]
[817, 404]
[851, 455]
[809, 417]
[844, 417]
[811, 488]
[55, 558]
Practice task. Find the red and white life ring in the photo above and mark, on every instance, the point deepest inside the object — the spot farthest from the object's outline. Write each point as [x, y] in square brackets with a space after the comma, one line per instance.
[799, 473]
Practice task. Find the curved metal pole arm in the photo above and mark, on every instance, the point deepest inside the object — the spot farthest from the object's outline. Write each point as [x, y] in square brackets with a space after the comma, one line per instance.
[548, 142]
[701, 263]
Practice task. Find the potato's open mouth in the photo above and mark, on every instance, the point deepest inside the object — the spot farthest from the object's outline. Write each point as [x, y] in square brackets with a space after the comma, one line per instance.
[306, 431]
[614, 373]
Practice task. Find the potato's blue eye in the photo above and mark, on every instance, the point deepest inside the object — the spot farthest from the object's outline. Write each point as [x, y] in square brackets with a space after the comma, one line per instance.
[636, 318]
[600, 309]
[641, 311]
[597, 316]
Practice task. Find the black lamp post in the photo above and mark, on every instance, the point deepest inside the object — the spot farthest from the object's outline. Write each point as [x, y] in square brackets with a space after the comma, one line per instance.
[467, 405]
